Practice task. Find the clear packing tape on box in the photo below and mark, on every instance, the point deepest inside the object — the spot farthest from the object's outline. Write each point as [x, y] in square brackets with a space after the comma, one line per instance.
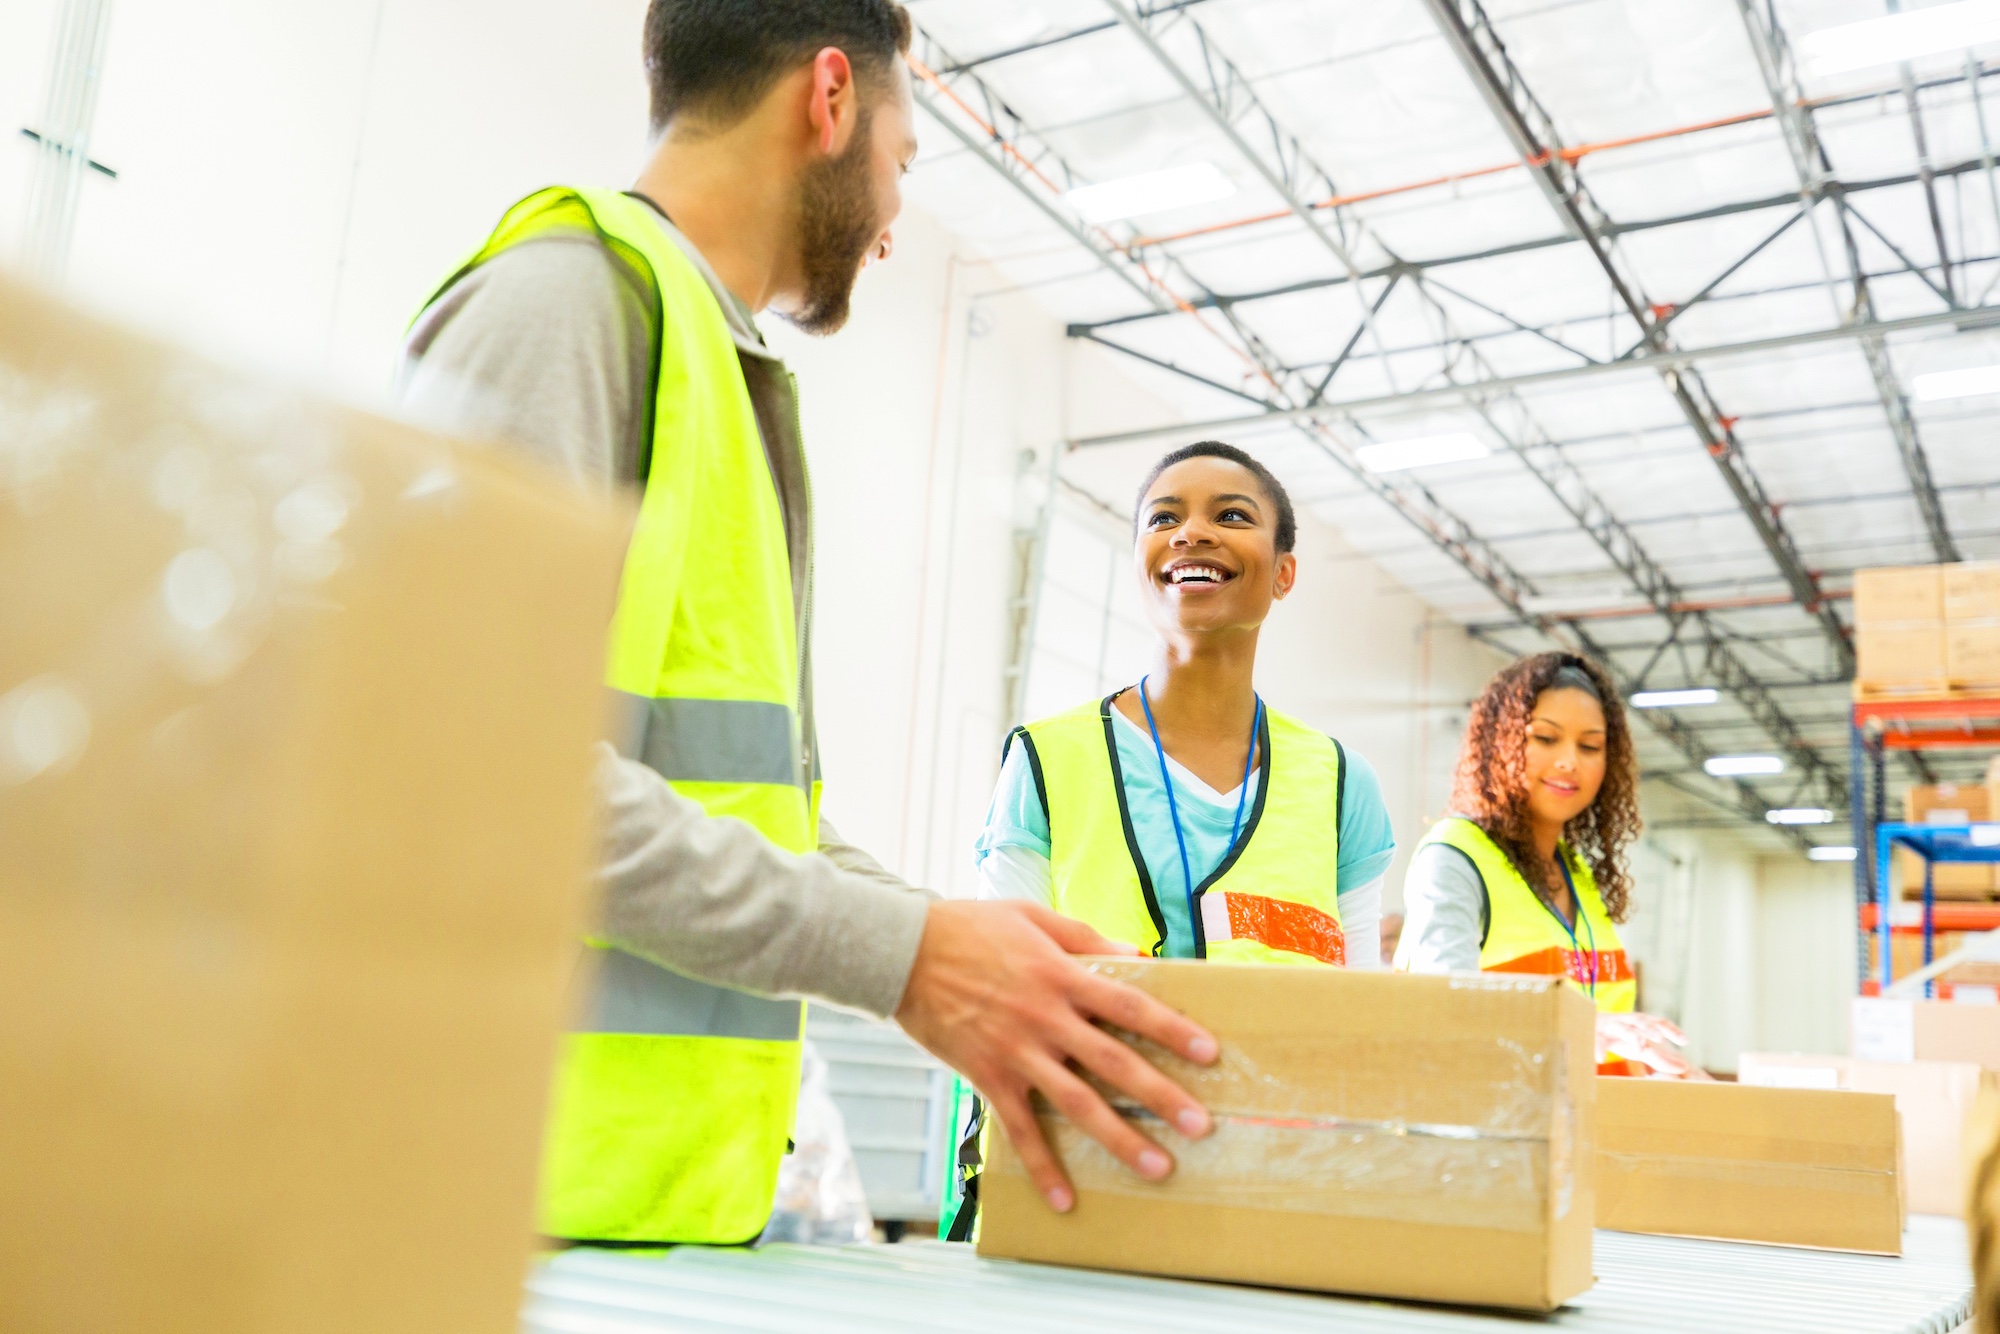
[1471, 1133]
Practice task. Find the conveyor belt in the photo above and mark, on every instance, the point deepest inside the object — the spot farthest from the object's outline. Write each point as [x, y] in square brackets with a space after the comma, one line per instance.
[1644, 1283]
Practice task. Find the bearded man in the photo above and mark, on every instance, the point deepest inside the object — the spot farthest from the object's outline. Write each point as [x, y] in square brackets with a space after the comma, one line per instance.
[611, 335]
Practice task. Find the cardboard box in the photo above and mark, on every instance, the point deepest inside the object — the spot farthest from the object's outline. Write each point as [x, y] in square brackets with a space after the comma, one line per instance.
[1932, 1097]
[1971, 591]
[1886, 1028]
[1961, 882]
[296, 847]
[1945, 803]
[1972, 653]
[1899, 593]
[1900, 657]
[1796, 1167]
[1906, 951]
[1424, 1137]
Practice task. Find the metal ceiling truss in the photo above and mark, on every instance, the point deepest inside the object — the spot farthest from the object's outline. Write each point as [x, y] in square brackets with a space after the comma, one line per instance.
[1029, 164]
[1226, 96]
[1963, 321]
[1473, 39]
[1779, 67]
[1846, 189]
[1008, 146]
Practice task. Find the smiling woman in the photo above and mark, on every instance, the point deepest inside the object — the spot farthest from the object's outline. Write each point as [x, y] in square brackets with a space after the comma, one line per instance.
[1527, 874]
[1182, 814]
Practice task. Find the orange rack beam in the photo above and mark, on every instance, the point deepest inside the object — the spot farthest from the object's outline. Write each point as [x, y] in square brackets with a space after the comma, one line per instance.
[1933, 722]
[1945, 917]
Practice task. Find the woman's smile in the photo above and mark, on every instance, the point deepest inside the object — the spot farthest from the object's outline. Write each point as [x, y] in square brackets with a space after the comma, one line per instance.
[1194, 574]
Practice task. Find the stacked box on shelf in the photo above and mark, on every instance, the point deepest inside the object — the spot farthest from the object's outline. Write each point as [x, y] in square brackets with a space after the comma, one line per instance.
[1946, 804]
[1899, 631]
[1971, 595]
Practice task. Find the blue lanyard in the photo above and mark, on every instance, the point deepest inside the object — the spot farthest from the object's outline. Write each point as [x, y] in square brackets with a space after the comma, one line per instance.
[1576, 907]
[1173, 807]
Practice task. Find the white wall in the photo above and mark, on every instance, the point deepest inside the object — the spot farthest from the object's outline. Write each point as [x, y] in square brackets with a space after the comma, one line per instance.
[1750, 950]
[295, 179]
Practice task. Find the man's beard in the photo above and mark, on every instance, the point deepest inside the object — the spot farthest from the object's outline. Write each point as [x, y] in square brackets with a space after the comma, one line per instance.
[837, 228]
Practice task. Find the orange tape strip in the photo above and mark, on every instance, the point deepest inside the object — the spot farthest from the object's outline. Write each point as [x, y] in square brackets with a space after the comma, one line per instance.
[1284, 925]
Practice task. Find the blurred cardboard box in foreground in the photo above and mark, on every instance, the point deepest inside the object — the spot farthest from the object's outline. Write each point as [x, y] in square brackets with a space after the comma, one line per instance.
[1933, 1098]
[1377, 1133]
[1795, 1167]
[296, 709]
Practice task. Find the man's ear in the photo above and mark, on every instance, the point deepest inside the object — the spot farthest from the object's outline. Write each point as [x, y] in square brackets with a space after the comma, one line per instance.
[1284, 574]
[834, 101]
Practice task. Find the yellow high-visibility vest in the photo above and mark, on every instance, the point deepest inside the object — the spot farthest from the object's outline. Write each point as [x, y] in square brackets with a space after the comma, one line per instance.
[1523, 933]
[1276, 896]
[674, 1098]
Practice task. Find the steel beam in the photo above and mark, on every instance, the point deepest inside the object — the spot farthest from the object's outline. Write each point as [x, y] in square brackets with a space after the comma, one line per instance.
[1476, 43]
[1976, 317]
[979, 118]
[1226, 97]
[1616, 229]
[1778, 65]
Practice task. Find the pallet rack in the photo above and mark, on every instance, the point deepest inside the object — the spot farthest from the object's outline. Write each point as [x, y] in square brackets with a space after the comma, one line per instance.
[1880, 726]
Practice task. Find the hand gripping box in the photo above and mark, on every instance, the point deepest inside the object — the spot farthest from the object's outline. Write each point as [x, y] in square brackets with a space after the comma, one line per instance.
[296, 717]
[1376, 1133]
[1790, 1166]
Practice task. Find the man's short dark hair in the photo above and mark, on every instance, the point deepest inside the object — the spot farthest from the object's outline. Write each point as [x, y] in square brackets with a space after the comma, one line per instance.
[716, 59]
[1287, 534]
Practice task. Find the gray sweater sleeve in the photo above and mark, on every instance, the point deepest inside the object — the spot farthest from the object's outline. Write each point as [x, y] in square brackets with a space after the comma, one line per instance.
[1444, 913]
[548, 347]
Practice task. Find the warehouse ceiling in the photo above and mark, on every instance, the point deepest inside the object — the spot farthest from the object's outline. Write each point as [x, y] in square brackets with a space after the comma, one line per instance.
[1677, 283]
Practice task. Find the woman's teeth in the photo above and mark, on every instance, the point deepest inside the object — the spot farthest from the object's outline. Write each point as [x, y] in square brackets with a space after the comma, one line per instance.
[1196, 574]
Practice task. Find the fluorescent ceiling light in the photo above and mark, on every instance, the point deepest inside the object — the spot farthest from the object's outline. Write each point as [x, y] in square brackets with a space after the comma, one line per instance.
[1674, 699]
[1395, 455]
[1800, 815]
[1151, 192]
[1742, 766]
[1957, 384]
[1827, 852]
[1899, 37]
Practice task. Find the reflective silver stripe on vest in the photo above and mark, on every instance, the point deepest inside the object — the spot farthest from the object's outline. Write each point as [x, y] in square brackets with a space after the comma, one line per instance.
[710, 740]
[635, 996]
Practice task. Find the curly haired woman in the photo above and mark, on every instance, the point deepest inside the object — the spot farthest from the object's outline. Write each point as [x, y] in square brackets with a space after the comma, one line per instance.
[1527, 874]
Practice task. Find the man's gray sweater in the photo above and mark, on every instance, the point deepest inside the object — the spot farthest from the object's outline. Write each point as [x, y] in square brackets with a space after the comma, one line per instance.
[548, 347]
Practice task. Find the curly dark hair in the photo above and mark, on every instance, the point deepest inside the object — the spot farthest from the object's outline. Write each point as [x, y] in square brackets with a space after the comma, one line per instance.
[1491, 785]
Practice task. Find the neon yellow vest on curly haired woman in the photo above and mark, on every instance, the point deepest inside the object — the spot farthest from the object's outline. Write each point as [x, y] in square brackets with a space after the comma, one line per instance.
[674, 1099]
[1276, 896]
[1523, 933]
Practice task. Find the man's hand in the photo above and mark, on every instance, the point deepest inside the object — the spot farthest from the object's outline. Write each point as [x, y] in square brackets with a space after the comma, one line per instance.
[995, 995]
